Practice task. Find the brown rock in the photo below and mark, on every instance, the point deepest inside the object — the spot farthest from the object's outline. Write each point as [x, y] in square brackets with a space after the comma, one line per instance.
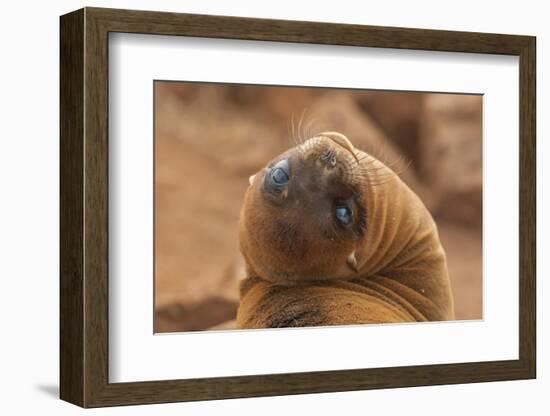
[451, 148]
[212, 312]
[398, 115]
[463, 246]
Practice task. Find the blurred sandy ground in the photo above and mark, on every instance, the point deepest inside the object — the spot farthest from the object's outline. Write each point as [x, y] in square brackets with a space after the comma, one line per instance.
[210, 138]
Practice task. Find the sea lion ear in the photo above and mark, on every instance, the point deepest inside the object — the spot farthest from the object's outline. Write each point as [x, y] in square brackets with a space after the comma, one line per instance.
[351, 261]
[251, 179]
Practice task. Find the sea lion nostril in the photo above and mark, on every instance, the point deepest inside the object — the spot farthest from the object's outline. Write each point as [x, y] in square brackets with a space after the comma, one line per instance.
[329, 158]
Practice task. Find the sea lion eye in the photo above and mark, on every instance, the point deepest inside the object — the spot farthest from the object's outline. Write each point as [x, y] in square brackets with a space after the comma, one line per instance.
[279, 175]
[343, 214]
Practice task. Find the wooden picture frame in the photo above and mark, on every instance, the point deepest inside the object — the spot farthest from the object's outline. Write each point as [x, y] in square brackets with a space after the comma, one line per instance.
[84, 207]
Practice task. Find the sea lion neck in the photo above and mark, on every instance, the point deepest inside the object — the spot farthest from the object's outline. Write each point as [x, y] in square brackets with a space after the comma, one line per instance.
[395, 215]
[383, 192]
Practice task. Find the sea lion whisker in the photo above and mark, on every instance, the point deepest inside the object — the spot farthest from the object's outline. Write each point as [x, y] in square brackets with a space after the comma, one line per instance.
[367, 166]
[294, 135]
[377, 172]
[368, 169]
[404, 168]
[367, 158]
[373, 168]
[295, 139]
[309, 131]
[301, 134]
[365, 161]
[379, 179]
[296, 131]
[401, 161]
[395, 162]
[291, 128]
[383, 182]
[290, 135]
[382, 156]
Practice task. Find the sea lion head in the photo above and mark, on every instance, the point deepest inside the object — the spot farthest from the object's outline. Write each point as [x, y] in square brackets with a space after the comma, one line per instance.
[304, 214]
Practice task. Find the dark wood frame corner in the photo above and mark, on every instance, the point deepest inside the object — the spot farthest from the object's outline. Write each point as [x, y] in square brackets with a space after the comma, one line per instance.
[84, 207]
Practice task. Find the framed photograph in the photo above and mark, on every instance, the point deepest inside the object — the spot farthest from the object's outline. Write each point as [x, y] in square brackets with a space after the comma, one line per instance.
[254, 207]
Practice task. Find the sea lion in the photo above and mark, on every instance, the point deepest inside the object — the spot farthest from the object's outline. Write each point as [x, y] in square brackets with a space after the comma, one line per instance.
[330, 235]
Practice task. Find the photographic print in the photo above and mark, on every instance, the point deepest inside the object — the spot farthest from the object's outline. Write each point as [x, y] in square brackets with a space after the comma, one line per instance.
[287, 206]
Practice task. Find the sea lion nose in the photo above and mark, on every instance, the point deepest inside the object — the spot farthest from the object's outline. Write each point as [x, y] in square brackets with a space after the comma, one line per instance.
[328, 158]
[341, 141]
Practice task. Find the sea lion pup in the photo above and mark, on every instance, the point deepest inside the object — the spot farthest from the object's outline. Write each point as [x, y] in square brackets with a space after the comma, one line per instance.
[332, 236]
